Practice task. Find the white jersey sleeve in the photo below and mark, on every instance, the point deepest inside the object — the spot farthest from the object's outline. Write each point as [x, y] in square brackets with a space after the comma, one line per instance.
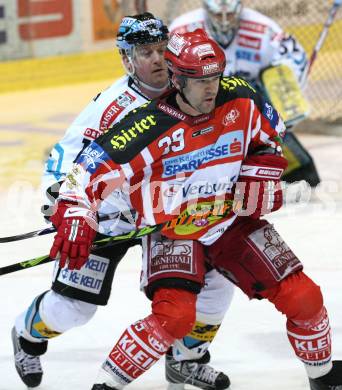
[103, 111]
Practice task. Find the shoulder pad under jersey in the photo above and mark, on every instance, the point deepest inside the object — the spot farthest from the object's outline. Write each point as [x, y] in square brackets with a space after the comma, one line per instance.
[234, 88]
[141, 126]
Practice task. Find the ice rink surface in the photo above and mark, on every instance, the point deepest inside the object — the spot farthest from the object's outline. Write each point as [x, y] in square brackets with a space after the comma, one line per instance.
[251, 346]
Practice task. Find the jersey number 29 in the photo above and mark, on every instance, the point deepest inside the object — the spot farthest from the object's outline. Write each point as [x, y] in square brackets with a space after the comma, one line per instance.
[175, 143]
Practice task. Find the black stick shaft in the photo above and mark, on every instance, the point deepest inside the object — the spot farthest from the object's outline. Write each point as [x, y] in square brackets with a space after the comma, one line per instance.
[24, 236]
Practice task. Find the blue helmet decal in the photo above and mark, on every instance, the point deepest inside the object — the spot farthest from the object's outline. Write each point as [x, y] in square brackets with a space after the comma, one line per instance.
[139, 30]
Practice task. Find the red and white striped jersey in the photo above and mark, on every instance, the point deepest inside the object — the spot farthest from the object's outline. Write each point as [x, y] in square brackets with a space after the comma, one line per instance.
[167, 163]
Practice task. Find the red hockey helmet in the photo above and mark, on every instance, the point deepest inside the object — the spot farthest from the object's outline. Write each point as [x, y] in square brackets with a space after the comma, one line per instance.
[194, 54]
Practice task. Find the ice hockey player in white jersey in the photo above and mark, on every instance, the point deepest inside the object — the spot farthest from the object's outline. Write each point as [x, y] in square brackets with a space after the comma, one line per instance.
[141, 41]
[253, 42]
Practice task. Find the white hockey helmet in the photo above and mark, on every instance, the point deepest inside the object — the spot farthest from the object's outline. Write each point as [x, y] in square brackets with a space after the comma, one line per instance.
[222, 17]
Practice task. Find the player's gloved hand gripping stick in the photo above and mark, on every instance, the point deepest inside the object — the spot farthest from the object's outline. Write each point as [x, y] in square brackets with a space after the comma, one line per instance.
[76, 230]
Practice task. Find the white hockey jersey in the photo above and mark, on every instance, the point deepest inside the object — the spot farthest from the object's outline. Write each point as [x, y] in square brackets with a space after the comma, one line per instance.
[258, 44]
[107, 108]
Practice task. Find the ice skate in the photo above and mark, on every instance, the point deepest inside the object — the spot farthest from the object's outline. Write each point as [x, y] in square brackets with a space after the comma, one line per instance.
[28, 366]
[330, 381]
[102, 387]
[194, 372]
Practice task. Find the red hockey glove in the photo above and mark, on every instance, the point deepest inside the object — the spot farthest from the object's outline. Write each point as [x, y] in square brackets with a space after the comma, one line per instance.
[259, 188]
[75, 234]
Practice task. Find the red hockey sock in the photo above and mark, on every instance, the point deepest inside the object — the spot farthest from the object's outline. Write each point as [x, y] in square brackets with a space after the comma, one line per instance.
[140, 346]
[311, 341]
[308, 328]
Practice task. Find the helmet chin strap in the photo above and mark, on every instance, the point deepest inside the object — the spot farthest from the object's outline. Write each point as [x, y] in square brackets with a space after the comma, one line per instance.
[149, 87]
[182, 95]
[185, 99]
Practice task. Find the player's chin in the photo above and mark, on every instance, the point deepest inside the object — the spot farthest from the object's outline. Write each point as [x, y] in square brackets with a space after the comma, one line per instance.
[159, 79]
[208, 106]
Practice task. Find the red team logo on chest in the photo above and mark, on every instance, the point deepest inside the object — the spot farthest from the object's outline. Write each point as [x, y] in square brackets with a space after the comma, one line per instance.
[231, 117]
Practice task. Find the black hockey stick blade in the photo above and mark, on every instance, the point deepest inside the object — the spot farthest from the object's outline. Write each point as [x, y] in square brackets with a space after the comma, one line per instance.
[24, 236]
[24, 264]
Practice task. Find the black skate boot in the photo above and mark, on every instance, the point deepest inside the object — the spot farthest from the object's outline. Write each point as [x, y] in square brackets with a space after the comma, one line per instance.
[194, 372]
[330, 381]
[27, 361]
[102, 387]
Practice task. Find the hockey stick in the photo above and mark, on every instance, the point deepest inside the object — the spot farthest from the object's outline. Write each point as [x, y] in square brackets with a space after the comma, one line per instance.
[48, 230]
[185, 219]
[97, 244]
[24, 236]
[324, 33]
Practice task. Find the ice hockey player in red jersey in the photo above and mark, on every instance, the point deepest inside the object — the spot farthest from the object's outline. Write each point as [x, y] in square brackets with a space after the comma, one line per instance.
[211, 147]
[141, 41]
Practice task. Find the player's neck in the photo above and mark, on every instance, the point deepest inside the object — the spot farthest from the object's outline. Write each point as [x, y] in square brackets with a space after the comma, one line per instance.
[185, 107]
[152, 93]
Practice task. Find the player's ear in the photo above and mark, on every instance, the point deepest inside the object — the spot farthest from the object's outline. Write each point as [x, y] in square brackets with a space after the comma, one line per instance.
[127, 64]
